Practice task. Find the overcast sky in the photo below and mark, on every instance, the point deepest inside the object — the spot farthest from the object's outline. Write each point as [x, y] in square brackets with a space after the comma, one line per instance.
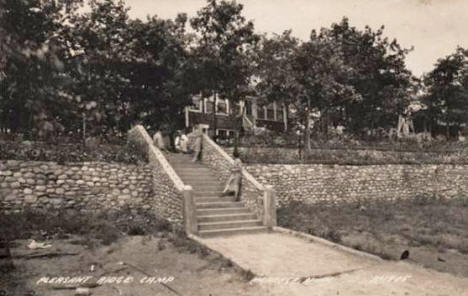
[433, 27]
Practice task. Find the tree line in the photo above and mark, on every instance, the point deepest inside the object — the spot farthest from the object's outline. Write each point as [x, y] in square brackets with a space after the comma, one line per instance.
[92, 70]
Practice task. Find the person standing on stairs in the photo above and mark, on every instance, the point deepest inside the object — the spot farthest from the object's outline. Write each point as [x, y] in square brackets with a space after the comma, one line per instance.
[197, 145]
[181, 142]
[234, 183]
[158, 140]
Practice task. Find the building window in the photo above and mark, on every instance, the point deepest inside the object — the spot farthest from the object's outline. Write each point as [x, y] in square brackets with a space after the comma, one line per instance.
[235, 108]
[225, 133]
[261, 113]
[221, 106]
[222, 134]
[270, 112]
[279, 113]
[197, 104]
[210, 105]
[248, 107]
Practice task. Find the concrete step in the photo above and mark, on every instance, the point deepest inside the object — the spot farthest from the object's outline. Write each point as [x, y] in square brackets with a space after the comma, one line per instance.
[184, 161]
[195, 174]
[221, 204]
[221, 211]
[232, 231]
[206, 188]
[191, 168]
[207, 193]
[202, 199]
[203, 171]
[200, 184]
[228, 224]
[203, 183]
[198, 178]
[188, 165]
[226, 217]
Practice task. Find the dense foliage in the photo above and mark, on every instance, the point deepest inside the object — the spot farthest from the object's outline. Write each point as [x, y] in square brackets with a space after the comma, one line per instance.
[446, 95]
[88, 68]
[65, 70]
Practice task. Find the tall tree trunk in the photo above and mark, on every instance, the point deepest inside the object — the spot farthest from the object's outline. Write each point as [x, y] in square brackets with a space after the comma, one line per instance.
[215, 98]
[447, 130]
[84, 129]
[325, 123]
[307, 148]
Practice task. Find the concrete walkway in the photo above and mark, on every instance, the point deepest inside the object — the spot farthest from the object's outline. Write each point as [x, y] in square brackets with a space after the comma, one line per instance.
[289, 265]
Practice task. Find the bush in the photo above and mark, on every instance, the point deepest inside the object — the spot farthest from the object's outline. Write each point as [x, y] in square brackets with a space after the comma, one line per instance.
[61, 153]
[347, 157]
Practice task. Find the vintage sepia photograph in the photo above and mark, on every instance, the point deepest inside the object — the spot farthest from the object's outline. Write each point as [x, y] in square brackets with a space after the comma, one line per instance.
[233, 147]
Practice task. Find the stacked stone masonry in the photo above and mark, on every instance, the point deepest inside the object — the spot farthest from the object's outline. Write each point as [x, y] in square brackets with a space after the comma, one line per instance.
[168, 200]
[336, 183]
[82, 186]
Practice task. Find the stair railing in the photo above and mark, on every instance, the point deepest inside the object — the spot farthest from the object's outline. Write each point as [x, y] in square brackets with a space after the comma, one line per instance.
[141, 137]
[247, 122]
[268, 199]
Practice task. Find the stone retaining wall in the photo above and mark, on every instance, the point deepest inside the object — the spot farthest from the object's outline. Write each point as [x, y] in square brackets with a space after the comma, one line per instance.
[166, 184]
[336, 183]
[82, 186]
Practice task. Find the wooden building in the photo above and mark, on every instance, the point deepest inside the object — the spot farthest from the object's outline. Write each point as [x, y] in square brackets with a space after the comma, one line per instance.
[230, 116]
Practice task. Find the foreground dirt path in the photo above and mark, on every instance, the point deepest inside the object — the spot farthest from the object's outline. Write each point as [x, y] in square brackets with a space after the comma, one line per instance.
[288, 265]
[135, 257]
[285, 265]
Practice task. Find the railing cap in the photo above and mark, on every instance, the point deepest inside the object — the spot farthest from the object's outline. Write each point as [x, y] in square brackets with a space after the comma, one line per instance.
[223, 153]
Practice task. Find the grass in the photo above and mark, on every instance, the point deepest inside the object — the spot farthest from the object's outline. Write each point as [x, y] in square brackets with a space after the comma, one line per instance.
[93, 230]
[104, 228]
[379, 227]
[98, 227]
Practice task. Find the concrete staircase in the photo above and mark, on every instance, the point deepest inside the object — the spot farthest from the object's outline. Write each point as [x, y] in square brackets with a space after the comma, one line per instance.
[215, 215]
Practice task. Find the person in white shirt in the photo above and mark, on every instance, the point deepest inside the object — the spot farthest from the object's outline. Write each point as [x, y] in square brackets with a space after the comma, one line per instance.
[181, 142]
[197, 144]
[234, 183]
[158, 140]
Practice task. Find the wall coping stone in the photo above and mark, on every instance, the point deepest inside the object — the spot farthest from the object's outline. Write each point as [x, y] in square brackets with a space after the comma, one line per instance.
[223, 153]
[178, 183]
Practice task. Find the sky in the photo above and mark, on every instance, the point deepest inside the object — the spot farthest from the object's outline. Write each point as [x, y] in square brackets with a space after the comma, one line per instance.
[434, 27]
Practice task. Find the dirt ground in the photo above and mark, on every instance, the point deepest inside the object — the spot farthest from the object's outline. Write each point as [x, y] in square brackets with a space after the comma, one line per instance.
[141, 261]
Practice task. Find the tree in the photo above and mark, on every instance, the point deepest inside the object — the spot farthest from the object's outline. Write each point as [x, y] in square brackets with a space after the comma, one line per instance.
[224, 44]
[310, 76]
[275, 81]
[447, 91]
[380, 76]
[321, 79]
[32, 81]
[129, 70]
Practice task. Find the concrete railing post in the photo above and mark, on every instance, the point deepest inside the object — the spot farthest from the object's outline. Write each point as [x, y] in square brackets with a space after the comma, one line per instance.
[190, 219]
[269, 204]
